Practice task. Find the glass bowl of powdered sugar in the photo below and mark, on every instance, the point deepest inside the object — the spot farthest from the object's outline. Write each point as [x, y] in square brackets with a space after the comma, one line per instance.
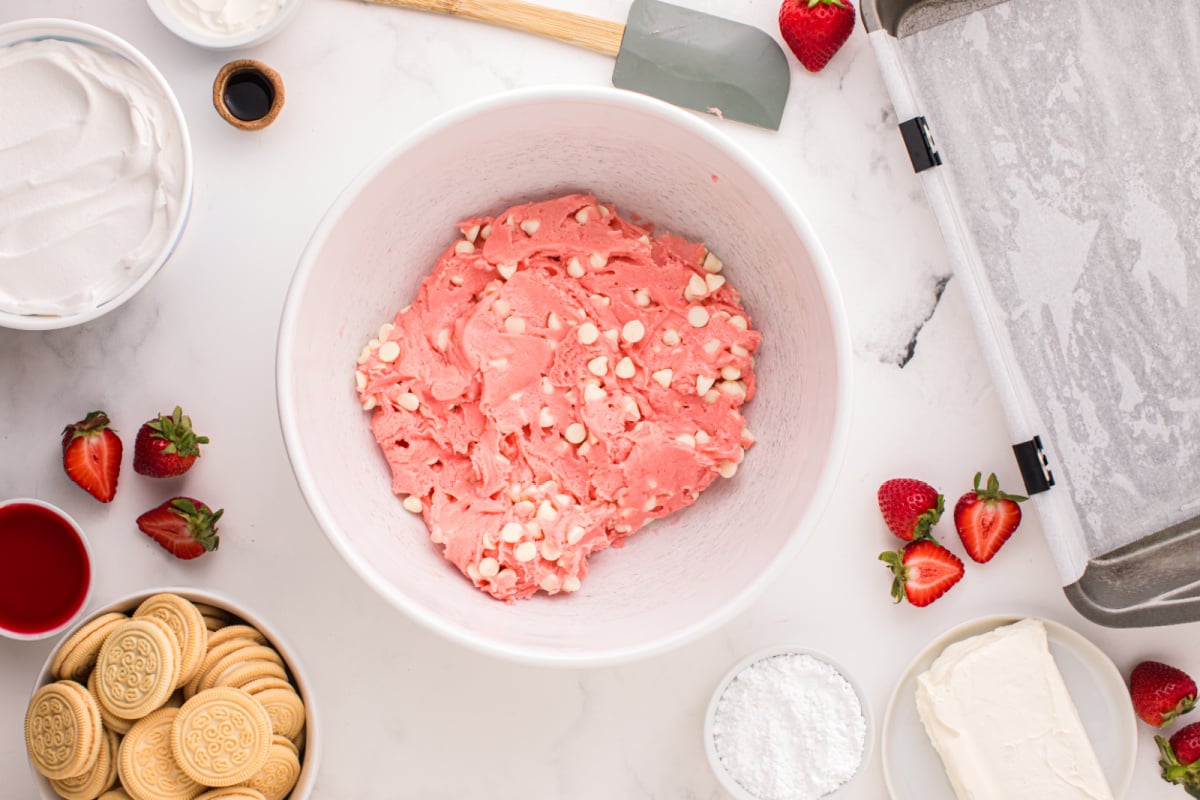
[787, 724]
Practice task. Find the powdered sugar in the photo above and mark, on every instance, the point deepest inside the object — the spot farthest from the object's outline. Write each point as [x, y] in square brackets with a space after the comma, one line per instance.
[789, 727]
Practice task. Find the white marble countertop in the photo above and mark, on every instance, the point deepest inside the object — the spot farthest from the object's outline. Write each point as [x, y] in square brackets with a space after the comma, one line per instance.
[406, 713]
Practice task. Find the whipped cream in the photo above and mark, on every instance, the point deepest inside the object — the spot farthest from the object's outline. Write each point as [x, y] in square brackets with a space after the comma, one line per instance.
[92, 173]
[998, 713]
[225, 17]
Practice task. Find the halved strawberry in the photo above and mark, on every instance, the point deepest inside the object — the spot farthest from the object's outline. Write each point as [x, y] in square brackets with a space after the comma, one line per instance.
[910, 507]
[186, 528]
[92, 455]
[985, 518]
[1160, 692]
[923, 570]
[166, 446]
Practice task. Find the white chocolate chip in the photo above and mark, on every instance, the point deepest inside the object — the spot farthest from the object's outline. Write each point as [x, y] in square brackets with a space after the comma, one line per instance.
[633, 331]
[364, 355]
[385, 330]
[473, 572]
[502, 307]
[714, 281]
[507, 270]
[712, 263]
[360, 380]
[576, 433]
[598, 366]
[588, 333]
[464, 248]
[575, 269]
[485, 232]
[524, 508]
[632, 411]
[734, 388]
[581, 216]
[727, 469]
[570, 584]
[534, 530]
[547, 512]
[738, 350]
[711, 396]
[373, 344]
[611, 334]
[472, 233]
[514, 324]
[545, 418]
[547, 386]
[370, 403]
[525, 551]
[641, 297]
[598, 260]
[650, 504]
[512, 532]
[412, 504]
[530, 226]
[583, 449]
[601, 299]
[712, 346]
[388, 352]
[697, 316]
[696, 288]
[489, 567]
[551, 552]
[594, 394]
[704, 383]
[604, 212]
[553, 322]
[739, 322]
[623, 528]
[663, 377]
[644, 239]
[457, 280]
[575, 533]
[549, 583]
[625, 368]
[564, 500]
[702, 437]
[686, 439]
[671, 337]
[748, 438]
[437, 535]
[408, 401]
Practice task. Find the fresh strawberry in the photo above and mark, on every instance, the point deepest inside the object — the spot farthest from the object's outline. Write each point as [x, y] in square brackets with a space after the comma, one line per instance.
[1179, 757]
[166, 446]
[910, 507]
[1161, 692]
[816, 29]
[923, 570]
[985, 518]
[92, 455]
[185, 527]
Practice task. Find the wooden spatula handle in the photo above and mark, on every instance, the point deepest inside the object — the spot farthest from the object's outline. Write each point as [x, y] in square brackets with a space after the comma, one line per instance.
[601, 35]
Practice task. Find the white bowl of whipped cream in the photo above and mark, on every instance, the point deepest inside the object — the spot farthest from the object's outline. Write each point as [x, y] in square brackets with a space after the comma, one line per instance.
[224, 24]
[95, 173]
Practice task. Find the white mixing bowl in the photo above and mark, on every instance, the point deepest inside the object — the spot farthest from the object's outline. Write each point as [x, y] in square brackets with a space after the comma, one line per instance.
[686, 574]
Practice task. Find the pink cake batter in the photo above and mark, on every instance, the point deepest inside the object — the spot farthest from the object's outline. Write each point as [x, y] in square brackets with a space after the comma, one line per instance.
[562, 379]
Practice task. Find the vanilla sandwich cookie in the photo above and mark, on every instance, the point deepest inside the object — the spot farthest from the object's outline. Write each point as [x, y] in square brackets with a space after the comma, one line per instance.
[111, 721]
[187, 626]
[82, 647]
[138, 668]
[63, 732]
[221, 737]
[239, 675]
[235, 631]
[100, 778]
[286, 710]
[216, 652]
[232, 793]
[147, 768]
[279, 774]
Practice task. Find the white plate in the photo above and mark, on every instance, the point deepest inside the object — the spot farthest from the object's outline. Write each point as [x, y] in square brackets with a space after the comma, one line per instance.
[911, 766]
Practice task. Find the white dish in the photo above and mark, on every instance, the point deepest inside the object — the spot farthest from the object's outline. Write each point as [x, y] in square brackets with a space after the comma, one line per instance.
[311, 754]
[688, 573]
[70, 30]
[914, 771]
[727, 780]
[173, 22]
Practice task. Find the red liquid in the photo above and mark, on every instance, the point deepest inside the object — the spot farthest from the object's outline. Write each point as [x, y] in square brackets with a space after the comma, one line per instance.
[44, 569]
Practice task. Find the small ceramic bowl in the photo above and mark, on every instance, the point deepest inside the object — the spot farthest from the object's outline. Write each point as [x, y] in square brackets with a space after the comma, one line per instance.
[47, 564]
[311, 752]
[173, 14]
[726, 778]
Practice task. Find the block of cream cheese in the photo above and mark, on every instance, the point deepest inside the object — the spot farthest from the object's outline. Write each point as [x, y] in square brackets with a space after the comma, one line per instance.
[999, 715]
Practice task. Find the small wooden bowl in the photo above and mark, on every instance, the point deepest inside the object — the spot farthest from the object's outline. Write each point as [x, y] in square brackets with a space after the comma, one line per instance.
[269, 79]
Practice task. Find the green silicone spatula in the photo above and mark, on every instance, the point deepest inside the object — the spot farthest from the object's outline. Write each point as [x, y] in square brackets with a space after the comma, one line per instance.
[685, 57]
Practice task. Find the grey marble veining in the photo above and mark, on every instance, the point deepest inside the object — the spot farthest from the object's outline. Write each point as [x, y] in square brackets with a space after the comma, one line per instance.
[1072, 130]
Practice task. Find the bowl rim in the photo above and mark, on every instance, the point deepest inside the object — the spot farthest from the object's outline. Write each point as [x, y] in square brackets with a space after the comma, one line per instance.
[691, 124]
[710, 747]
[313, 734]
[37, 28]
[219, 42]
[78, 614]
